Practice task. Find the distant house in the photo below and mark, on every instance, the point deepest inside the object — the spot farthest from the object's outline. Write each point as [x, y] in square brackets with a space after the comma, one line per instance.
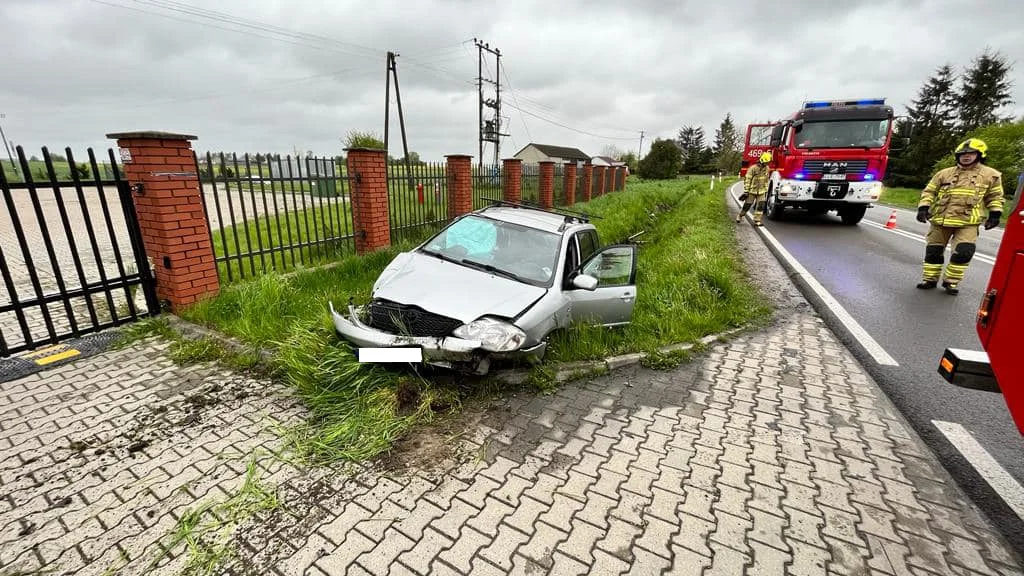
[606, 161]
[534, 153]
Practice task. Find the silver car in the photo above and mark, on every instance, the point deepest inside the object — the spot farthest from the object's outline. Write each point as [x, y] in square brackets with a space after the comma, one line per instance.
[494, 284]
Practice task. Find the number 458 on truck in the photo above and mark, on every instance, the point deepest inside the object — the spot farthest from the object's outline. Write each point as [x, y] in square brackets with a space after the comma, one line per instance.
[829, 155]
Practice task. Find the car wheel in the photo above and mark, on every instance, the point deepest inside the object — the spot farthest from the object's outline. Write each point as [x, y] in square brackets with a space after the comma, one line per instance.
[852, 215]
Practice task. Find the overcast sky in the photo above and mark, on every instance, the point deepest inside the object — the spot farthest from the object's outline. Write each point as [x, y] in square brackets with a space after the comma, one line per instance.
[75, 70]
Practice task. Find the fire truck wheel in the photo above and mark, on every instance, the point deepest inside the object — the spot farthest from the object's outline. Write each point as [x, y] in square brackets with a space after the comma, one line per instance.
[852, 214]
[772, 207]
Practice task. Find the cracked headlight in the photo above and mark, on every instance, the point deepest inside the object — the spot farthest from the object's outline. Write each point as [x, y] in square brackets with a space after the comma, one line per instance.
[494, 335]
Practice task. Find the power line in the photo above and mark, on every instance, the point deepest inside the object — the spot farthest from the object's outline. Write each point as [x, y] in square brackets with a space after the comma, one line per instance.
[556, 123]
[516, 100]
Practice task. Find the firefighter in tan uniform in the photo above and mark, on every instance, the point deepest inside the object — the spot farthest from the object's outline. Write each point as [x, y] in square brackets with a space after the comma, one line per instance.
[755, 188]
[953, 202]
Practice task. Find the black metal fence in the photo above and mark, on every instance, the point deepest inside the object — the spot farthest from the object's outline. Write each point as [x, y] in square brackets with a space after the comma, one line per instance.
[487, 183]
[274, 213]
[417, 199]
[71, 251]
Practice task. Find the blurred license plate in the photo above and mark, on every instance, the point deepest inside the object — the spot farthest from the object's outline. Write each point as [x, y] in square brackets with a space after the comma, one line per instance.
[833, 176]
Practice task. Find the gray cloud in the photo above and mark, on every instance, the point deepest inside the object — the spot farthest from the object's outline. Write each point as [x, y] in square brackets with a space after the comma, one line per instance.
[74, 70]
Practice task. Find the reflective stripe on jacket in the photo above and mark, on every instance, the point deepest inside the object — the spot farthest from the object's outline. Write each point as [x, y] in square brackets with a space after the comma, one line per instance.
[755, 182]
[956, 195]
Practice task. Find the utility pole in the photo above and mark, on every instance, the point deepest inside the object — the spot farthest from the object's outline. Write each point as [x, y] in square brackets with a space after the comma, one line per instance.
[489, 130]
[392, 69]
[8, 148]
[640, 150]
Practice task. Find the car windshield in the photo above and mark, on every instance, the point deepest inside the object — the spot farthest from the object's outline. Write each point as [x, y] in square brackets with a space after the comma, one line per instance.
[842, 134]
[523, 253]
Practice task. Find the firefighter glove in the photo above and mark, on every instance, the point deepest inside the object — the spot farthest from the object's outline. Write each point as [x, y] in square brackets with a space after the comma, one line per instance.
[922, 214]
[743, 196]
[993, 219]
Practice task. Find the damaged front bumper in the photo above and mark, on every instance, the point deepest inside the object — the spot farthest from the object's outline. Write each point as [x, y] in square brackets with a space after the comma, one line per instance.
[439, 351]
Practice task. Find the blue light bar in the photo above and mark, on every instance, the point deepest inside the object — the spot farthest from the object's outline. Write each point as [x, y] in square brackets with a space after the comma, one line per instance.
[869, 176]
[799, 175]
[841, 103]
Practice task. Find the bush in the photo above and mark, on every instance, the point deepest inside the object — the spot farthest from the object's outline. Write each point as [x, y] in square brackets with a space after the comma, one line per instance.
[662, 162]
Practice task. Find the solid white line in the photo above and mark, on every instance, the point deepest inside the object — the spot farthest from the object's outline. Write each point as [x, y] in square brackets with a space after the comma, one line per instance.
[993, 232]
[977, 256]
[997, 477]
[870, 344]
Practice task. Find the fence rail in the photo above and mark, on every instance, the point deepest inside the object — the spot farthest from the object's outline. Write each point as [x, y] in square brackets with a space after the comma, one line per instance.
[275, 213]
[487, 183]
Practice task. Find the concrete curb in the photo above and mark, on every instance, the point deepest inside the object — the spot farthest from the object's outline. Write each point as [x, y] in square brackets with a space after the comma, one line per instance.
[568, 371]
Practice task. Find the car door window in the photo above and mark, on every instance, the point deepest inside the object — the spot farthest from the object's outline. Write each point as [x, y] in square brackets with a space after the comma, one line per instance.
[612, 266]
[588, 244]
[572, 261]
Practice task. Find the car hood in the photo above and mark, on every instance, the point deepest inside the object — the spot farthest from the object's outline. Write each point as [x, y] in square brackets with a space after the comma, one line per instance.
[451, 289]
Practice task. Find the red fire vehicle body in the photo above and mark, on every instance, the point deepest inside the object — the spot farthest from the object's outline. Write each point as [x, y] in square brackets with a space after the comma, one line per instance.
[996, 368]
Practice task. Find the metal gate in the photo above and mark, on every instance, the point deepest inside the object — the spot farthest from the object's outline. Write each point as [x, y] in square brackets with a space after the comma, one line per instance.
[71, 252]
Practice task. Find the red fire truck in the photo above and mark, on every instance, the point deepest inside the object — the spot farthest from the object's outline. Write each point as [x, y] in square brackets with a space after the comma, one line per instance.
[1000, 315]
[829, 155]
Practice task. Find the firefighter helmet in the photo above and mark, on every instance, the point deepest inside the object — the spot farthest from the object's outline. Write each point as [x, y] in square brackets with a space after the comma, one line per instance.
[766, 157]
[972, 145]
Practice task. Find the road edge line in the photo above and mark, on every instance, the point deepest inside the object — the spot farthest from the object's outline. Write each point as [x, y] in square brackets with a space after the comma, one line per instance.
[815, 292]
[918, 238]
[1004, 484]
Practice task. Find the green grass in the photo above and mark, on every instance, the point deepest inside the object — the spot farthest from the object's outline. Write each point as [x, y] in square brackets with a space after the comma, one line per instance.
[691, 283]
[62, 170]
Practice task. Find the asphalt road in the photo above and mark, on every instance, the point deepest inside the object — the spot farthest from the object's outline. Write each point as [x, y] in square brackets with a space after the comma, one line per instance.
[871, 272]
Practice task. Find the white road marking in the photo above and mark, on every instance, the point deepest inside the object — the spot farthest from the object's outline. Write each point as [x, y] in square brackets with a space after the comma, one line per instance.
[913, 213]
[997, 477]
[870, 344]
[981, 257]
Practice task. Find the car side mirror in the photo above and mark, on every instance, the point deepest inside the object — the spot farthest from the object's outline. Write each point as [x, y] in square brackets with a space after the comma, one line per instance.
[585, 282]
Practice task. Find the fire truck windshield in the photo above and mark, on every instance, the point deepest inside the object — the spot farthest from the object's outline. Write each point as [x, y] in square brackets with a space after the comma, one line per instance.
[842, 134]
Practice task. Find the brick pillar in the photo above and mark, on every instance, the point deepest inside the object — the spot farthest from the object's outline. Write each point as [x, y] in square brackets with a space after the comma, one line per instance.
[570, 183]
[588, 181]
[460, 184]
[547, 184]
[513, 173]
[175, 232]
[370, 221]
[599, 175]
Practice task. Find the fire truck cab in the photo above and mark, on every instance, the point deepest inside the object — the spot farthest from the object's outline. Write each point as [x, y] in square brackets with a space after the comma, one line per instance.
[829, 155]
[996, 367]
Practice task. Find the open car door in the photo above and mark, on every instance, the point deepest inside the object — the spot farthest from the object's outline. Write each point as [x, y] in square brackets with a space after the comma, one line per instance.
[611, 302]
[758, 141]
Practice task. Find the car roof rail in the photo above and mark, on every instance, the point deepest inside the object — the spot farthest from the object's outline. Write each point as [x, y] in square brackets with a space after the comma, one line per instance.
[568, 214]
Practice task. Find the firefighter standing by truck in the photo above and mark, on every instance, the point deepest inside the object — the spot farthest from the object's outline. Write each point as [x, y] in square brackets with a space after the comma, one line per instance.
[952, 201]
[755, 188]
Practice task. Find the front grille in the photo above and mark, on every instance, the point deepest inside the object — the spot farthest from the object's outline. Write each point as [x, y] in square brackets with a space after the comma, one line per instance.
[409, 320]
[817, 167]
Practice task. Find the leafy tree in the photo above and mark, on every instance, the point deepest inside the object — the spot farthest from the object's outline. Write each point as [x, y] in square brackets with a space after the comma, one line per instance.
[933, 115]
[358, 139]
[34, 159]
[414, 159]
[611, 151]
[84, 171]
[694, 152]
[727, 147]
[985, 89]
[662, 162]
[631, 160]
[1005, 151]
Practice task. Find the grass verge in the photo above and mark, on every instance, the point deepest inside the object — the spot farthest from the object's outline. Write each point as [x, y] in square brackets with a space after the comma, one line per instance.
[691, 283]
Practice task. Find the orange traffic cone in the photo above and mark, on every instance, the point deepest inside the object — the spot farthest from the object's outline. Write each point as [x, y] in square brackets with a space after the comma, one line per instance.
[891, 224]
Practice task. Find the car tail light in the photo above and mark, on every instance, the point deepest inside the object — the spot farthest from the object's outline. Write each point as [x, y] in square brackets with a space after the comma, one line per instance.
[985, 310]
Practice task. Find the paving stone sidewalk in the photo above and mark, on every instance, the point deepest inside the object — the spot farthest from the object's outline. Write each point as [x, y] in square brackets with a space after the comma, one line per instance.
[773, 453]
